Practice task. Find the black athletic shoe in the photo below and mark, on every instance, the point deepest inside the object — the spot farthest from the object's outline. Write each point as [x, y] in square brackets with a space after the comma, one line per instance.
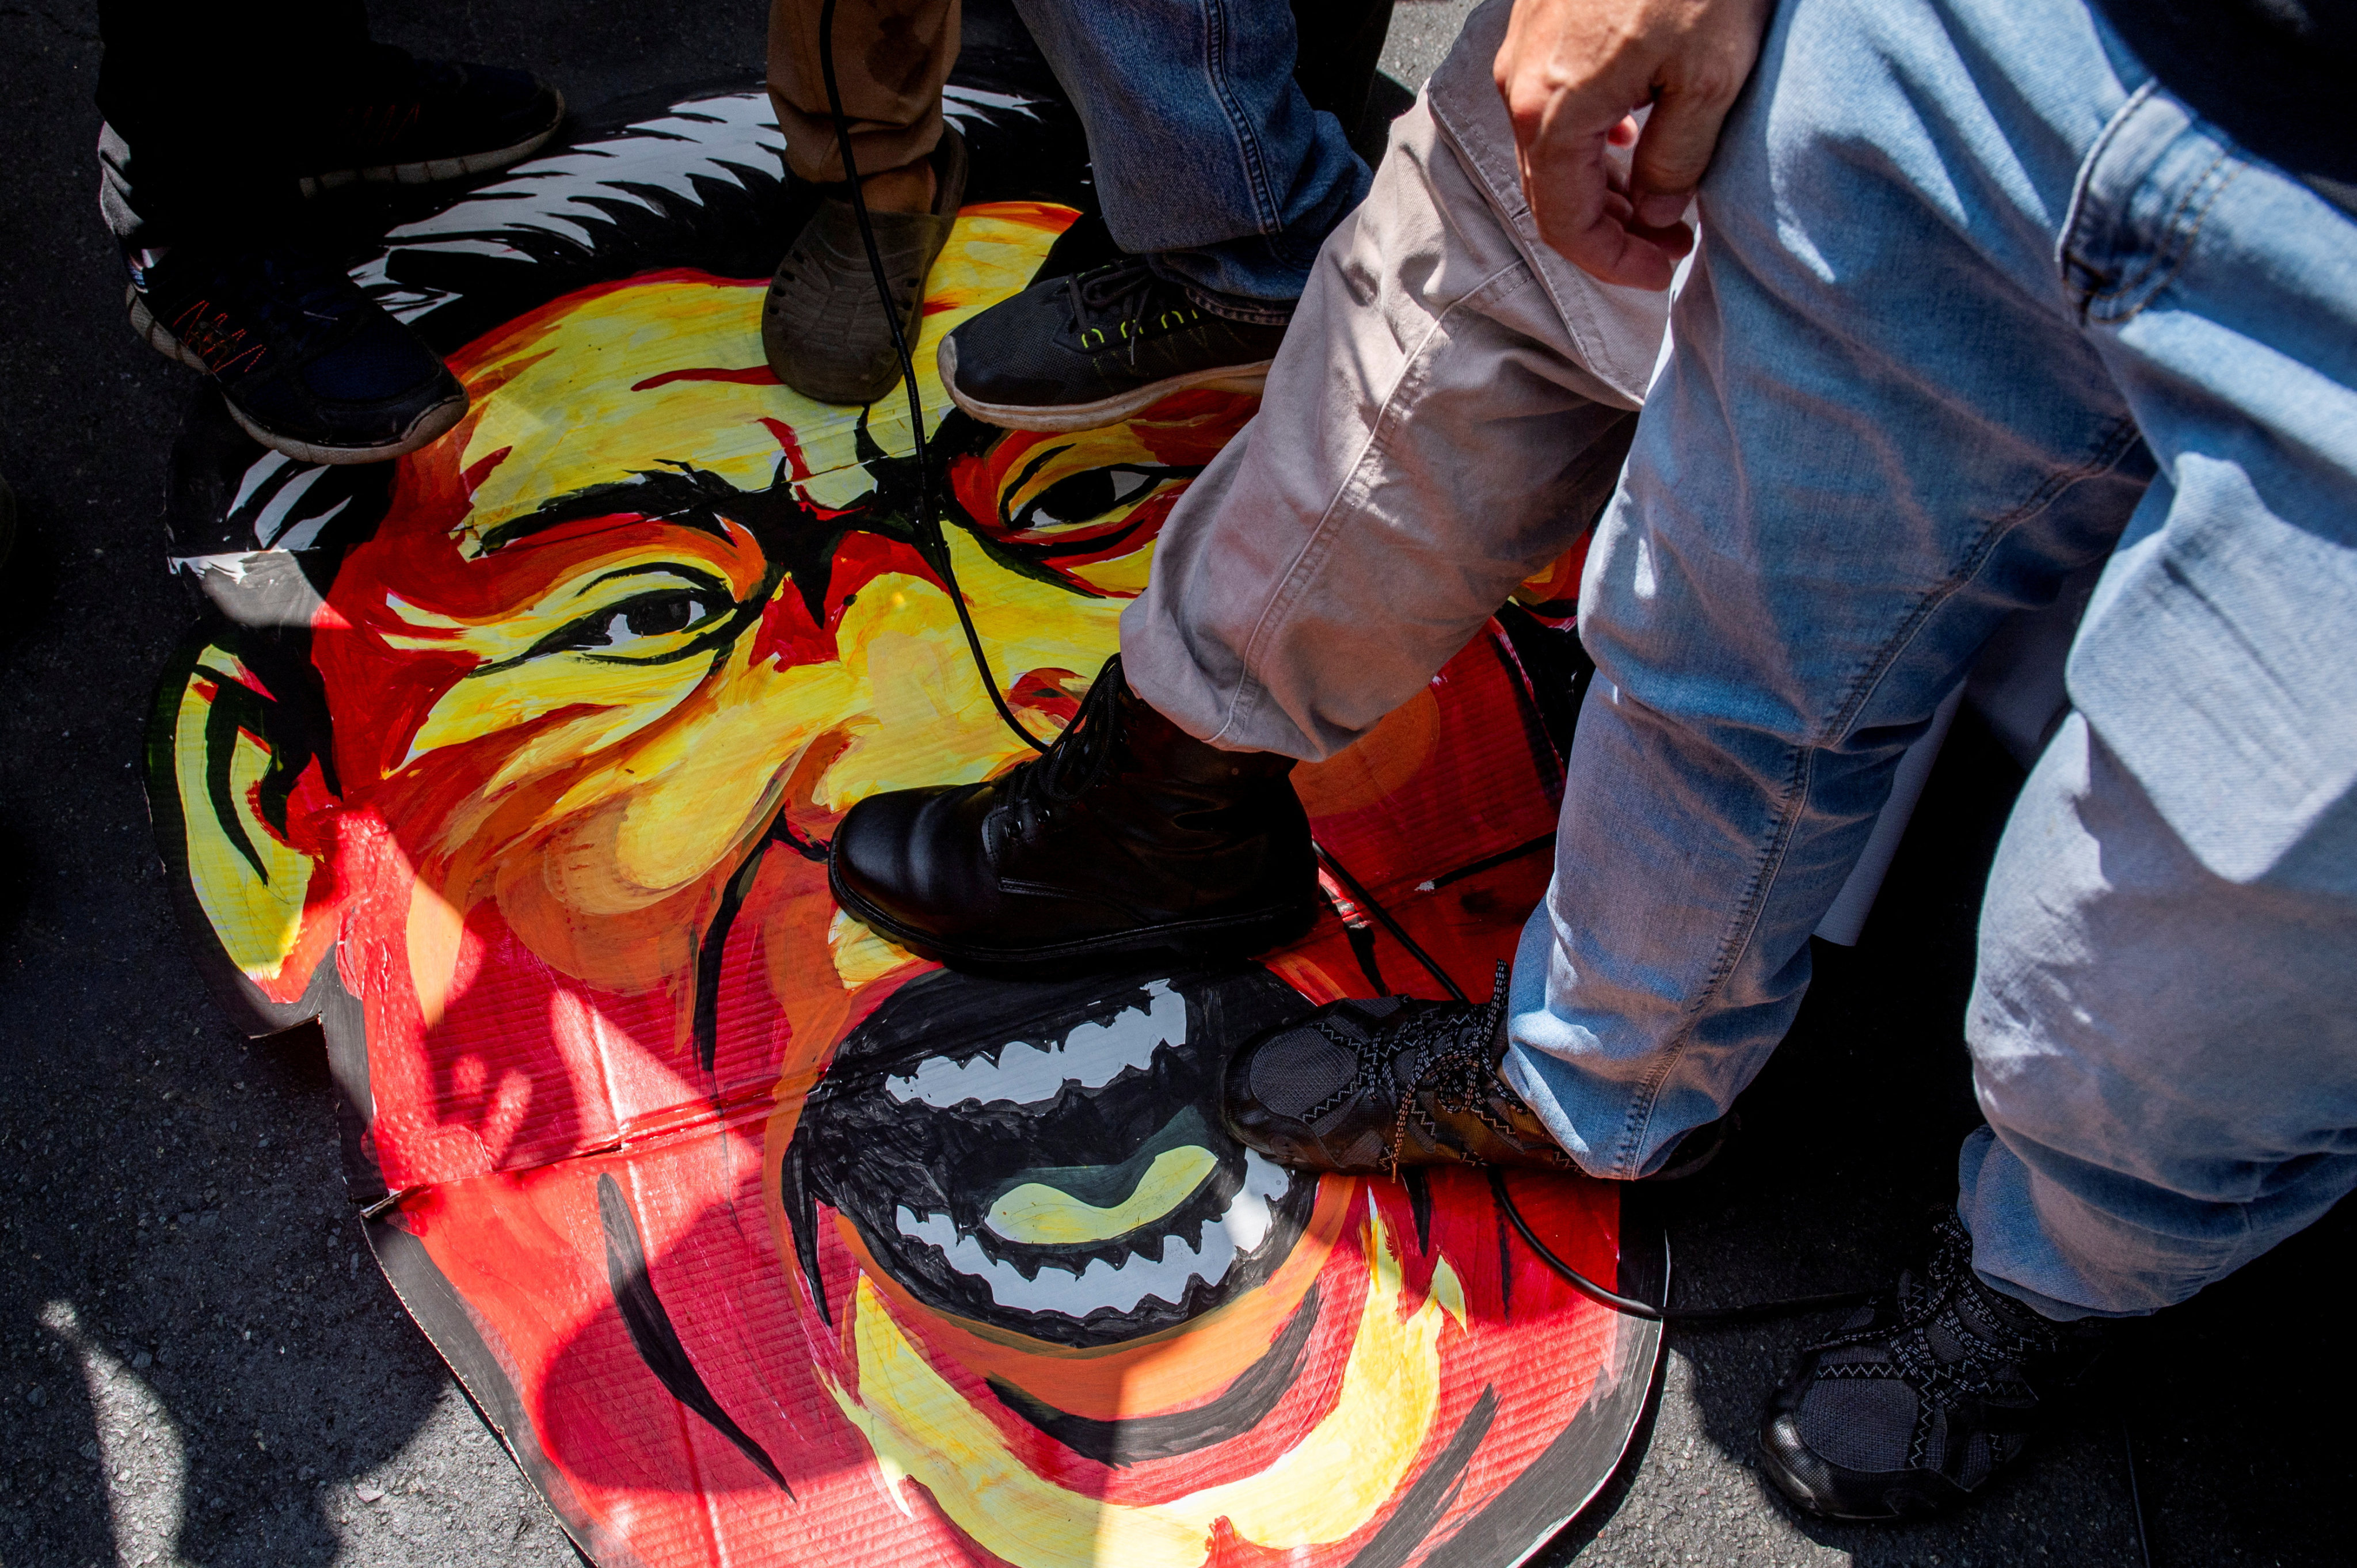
[1371, 1086]
[413, 122]
[1923, 1396]
[1129, 839]
[1073, 353]
[308, 363]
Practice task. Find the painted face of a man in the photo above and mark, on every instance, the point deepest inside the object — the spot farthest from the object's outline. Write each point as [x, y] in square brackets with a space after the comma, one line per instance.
[646, 599]
[972, 1263]
[645, 606]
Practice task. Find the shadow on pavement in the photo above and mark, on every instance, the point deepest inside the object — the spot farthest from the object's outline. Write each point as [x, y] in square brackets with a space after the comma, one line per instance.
[198, 1347]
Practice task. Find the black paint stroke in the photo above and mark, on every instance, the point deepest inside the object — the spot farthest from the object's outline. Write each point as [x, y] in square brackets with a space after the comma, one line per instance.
[713, 946]
[711, 949]
[235, 708]
[1505, 1261]
[651, 1332]
[1363, 947]
[1243, 1406]
[1435, 1492]
[1419, 1203]
[802, 1212]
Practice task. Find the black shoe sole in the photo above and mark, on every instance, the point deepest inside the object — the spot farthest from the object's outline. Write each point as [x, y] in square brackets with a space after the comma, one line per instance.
[421, 430]
[1105, 411]
[1185, 942]
[433, 171]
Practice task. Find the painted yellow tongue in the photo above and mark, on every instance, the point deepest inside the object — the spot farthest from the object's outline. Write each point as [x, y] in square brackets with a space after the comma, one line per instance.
[1044, 1216]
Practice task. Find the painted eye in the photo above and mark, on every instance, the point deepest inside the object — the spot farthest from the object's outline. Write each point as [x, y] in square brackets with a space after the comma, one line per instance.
[626, 628]
[652, 617]
[1087, 496]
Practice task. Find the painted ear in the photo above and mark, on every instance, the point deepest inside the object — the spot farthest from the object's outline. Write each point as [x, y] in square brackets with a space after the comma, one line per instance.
[239, 777]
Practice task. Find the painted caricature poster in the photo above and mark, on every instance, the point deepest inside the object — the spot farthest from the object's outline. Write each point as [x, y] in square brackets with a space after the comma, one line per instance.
[758, 1240]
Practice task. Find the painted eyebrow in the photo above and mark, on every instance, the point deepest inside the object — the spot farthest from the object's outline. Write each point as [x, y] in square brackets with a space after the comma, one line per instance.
[678, 569]
[692, 499]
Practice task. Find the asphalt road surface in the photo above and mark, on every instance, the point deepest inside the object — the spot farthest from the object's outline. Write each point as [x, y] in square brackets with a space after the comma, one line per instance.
[199, 1364]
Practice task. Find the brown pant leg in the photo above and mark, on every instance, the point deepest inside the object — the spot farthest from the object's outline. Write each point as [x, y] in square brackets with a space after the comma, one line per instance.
[890, 60]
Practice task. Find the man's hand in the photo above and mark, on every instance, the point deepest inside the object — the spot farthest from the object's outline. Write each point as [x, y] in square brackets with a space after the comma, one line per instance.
[1573, 71]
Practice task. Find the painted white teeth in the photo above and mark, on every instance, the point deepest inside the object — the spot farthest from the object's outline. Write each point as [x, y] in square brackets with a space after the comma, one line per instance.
[1235, 1233]
[1091, 1056]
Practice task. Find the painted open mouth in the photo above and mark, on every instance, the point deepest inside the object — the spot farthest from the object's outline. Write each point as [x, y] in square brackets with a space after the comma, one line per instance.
[1049, 1158]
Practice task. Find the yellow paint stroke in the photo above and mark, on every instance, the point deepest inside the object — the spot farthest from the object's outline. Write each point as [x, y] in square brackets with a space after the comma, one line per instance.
[257, 917]
[1326, 1487]
[436, 932]
[583, 415]
[1044, 1216]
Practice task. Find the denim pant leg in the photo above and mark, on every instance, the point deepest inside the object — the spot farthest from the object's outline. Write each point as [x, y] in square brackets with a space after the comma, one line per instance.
[1208, 157]
[2167, 1057]
[1880, 433]
[2164, 1028]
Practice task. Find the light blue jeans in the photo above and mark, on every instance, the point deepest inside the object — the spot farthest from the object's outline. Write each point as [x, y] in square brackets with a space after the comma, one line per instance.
[1208, 158]
[1972, 301]
[1977, 302]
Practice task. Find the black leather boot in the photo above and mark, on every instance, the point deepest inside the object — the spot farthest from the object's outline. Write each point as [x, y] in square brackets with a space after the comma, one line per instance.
[1129, 841]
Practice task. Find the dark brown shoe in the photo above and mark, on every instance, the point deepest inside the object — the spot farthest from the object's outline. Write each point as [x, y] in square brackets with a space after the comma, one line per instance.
[824, 330]
[1371, 1086]
[1130, 840]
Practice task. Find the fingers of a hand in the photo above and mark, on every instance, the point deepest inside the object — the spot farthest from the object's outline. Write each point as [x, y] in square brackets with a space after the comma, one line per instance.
[1583, 210]
[1682, 133]
[1671, 155]
[1606, 251]
[1673, 240]
[1522, 70]
[1568, 182]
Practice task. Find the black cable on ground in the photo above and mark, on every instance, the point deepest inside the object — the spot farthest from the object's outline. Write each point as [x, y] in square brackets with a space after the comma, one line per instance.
[1751, 1312]
[929, 527]
[1366, 901]
[928, 522]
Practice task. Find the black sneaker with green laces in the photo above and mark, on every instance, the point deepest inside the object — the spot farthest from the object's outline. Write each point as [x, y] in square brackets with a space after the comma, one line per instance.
[1090, 350]
[1923, 1396]
[308, 364]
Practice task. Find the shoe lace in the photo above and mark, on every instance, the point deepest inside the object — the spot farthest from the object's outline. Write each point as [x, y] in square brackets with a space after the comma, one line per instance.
[1986, 1346]
[1116, 300]
[1060, 775]
[1452, 1060]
